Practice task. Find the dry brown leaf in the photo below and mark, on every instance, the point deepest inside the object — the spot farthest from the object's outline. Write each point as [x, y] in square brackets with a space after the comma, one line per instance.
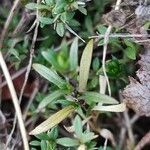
[18, 82]
[137, 93]
[116, 18]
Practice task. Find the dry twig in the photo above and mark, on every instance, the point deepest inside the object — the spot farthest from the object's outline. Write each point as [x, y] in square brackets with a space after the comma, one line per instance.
[8, 78]
[106, 41]
[35, 91]
[129, 127]
[31, 53]
[28, 68]
[145, 140]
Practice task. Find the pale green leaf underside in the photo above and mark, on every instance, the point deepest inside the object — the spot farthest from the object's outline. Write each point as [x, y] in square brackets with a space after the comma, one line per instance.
[53, 120]
[98, 97]
[111, 108]
[85, 66]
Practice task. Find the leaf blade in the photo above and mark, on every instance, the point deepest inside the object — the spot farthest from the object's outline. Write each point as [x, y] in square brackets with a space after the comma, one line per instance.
[51, 57]
[74, 55]
[60, 29]
[50, 75]
[98, 97]
[50, 98]
[68, 142]
[46, 20]
[53, 120]
[112, 108]
[34, 6]
[77, 124]
[85, 66]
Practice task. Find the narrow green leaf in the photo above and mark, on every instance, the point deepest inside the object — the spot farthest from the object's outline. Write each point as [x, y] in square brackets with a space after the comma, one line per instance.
[73, 32]
[50, 98]
[43, 145]
[60, 29]
[68, 142]
[112, 108]
[96, 64]
[85, 66]
[53, 120]
[74, 55]
[50, 75]
[14, 52]
[51, 57]
[77, 124]
[89, 24]
[98, 97]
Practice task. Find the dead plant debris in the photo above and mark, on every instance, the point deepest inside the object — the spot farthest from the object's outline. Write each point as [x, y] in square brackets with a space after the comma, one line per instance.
[137, 93]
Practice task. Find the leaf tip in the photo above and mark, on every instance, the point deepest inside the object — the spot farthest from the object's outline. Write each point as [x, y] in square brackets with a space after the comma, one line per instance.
[32, 132]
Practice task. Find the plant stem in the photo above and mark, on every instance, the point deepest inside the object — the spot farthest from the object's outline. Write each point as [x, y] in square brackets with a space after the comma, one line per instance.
[15, 102]
[106, 41]
[8, 78]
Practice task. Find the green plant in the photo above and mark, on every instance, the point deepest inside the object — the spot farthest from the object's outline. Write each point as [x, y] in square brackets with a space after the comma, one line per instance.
[69, 107]
[59, 13]
[64, 90]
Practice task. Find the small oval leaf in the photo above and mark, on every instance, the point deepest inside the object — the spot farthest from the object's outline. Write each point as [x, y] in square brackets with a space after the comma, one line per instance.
[77, 124]
[60, 29]
[34, 6]
[35, 143]
[68, 142]
[46, 20]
